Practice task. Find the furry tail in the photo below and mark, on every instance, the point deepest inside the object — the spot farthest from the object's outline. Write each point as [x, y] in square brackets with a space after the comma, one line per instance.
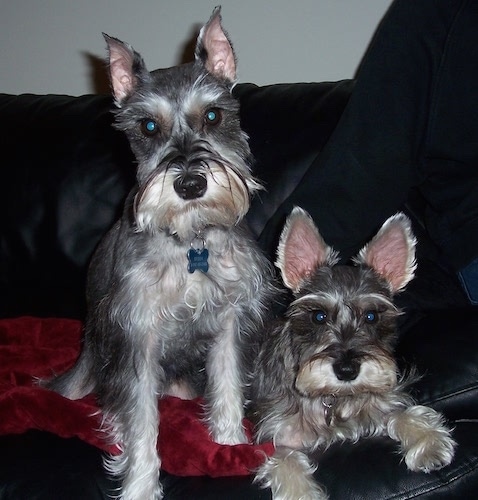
[75, 383]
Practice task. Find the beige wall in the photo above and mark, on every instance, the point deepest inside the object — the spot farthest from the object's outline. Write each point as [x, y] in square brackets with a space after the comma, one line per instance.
[55, 46]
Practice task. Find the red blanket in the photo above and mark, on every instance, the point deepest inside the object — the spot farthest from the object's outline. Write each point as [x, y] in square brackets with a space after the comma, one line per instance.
[34, 347]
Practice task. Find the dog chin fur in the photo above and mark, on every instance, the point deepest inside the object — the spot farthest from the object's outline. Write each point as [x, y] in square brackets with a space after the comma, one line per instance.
[225, 203]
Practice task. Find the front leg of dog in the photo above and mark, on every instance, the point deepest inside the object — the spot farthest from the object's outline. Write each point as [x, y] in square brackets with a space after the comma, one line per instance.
[289, 475]
[136, 429]
[425, 440]
[225, 395]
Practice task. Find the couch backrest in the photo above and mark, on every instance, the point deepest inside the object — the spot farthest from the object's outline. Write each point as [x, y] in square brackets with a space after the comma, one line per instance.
[66, 171]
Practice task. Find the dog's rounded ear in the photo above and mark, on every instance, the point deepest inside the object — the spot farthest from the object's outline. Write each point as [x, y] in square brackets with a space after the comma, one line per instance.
[126, 68]
[302, 250]
[391, 253]
[214, 49]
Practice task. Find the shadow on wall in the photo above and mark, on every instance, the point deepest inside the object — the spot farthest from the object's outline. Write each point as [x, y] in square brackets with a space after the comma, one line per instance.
[98, 69]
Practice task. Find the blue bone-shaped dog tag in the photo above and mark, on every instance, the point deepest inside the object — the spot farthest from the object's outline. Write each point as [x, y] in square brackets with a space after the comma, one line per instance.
[197, 259]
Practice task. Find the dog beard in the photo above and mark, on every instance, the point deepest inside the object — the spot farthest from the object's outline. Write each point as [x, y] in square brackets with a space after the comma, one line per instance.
[378, 374]
[224, 203]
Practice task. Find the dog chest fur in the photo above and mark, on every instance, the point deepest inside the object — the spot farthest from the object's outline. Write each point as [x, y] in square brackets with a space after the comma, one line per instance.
[157, 288]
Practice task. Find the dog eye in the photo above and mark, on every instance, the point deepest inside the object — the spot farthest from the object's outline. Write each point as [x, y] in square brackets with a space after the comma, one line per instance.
[149, 127]
[371, 317]
[320, 317]
[212, 116]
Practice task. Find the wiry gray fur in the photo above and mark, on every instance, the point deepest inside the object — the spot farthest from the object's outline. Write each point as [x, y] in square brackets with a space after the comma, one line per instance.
[334, 348]
[153, 328]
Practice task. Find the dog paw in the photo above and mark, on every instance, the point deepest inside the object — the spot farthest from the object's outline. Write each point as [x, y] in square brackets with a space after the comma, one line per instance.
[141, 493]
[138, 483]
[226, 429]
[425, 440]
[230, 436]
[289, 475]
[433, 452]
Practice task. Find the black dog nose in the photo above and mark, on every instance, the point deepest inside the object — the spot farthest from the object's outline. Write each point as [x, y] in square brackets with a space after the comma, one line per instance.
[190, 186]
[346, 370]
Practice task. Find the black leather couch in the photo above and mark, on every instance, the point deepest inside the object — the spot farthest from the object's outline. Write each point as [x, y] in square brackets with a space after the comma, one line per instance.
[65, 172]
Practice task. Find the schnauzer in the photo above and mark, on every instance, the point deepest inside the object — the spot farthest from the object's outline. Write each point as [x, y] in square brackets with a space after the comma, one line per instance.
[178, 285]
[326, 372]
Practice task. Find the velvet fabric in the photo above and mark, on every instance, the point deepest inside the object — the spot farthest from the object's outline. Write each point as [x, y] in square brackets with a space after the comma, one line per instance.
[33, 348]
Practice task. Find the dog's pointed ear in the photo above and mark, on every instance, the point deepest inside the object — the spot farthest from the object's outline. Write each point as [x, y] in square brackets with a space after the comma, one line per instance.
[391, 253]
[214, 49]
[126, 68]
[302, 250]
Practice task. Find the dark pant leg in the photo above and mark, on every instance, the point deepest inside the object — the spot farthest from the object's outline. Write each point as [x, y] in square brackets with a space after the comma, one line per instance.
[450, 160]
[376, 152]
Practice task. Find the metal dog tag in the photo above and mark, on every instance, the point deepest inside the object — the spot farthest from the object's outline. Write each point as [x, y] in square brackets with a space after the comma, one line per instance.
[328, 403]
[198, 257]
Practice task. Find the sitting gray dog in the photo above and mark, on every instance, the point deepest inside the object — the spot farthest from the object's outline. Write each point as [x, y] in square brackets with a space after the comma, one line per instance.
[178, 285]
